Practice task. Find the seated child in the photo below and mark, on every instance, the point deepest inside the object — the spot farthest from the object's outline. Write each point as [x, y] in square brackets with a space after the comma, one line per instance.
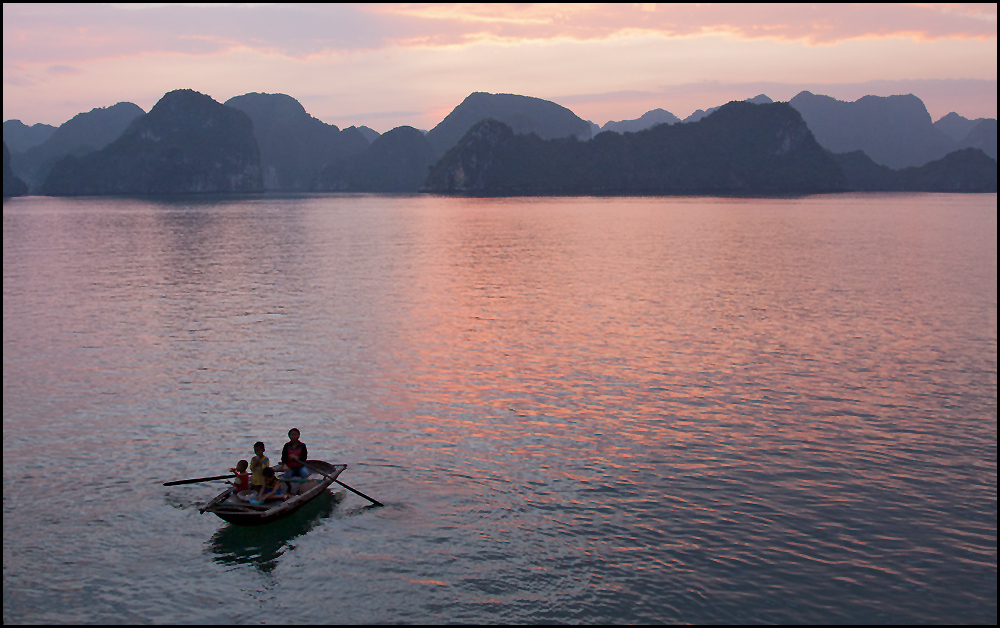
[272, 487]
[242, 480]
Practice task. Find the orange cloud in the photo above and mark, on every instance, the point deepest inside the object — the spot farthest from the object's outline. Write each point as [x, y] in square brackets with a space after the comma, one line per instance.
[436, 24]
[70, 34]
[343, 59]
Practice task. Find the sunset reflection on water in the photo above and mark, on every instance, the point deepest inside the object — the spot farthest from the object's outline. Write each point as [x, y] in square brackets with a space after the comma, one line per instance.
[580, 409]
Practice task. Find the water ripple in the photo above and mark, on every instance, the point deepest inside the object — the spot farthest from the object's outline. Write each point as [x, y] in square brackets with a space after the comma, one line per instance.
[575, 410]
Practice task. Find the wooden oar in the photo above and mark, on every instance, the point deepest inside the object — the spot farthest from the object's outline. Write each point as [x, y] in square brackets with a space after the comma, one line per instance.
[353, 490]
[224, 495]
[194, 480]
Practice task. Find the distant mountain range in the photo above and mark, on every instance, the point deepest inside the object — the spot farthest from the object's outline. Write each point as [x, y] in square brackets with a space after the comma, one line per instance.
[270, 142]
[12, 186]
[894, 131]
[760, 99]
[740, 148]
[523, 114]
[397, 161]
[647, 120]
[294, 146]
[187, 143]
[19, 137]
[84, 133]
[965, 170]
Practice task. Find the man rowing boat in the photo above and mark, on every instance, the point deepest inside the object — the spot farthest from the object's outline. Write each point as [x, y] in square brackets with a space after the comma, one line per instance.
[293, 455]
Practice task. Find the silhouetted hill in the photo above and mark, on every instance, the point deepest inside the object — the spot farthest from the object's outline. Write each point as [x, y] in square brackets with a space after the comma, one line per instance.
[647, 120]
[895, 131]
[966, 170]
[864, 175]
[19, 137]
[523, 114]
[370, 134]
[980, 133]
[982, 136]
[955, 126]
[188, 142]
[95, 129]
[759, 99]
[84, 133]
[12, 186]
[397, 161]
[294, 146]
[741, 148]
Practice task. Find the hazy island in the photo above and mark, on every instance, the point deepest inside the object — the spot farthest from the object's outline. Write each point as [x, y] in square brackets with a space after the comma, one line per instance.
[504, 144]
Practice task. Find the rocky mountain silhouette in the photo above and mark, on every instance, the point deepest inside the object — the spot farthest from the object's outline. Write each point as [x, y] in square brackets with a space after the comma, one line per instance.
[740, 148]
[19, 137]
[982, 136]
[894, 131]
[188, 142]
[955, 126]
[83, 134]
[12, 186]
[523, 114]
[397, 161]
[370, 134]
[647, 120]
[965, 170]
[294, 146]
[759, 99]
[539, 147]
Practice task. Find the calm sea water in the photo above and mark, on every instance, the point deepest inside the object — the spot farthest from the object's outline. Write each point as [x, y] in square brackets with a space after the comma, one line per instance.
[576, 410]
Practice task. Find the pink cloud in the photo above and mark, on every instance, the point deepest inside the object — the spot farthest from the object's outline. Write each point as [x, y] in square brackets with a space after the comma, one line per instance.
[63, 69]
[380, 58]
[78, 32]
[75, 33]
[813, 24]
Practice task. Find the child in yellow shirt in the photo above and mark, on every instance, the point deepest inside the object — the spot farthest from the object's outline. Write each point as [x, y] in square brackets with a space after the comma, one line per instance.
[258, 463]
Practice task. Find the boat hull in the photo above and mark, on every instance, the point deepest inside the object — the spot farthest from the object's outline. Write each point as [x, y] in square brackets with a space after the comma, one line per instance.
[229, 507]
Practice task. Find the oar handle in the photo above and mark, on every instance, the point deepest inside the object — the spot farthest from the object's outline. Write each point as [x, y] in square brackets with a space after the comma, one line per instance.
[195, 480]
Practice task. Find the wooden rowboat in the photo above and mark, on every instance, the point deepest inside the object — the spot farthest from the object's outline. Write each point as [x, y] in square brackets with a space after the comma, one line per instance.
[237, 510]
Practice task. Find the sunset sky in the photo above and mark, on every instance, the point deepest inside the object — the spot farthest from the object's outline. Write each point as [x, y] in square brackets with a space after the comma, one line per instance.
[389, 65]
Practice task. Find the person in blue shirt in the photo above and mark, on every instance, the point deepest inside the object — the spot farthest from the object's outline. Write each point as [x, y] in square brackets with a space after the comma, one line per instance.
[273, 488]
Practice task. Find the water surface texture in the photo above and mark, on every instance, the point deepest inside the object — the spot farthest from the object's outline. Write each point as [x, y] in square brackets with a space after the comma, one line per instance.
[576, 410]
